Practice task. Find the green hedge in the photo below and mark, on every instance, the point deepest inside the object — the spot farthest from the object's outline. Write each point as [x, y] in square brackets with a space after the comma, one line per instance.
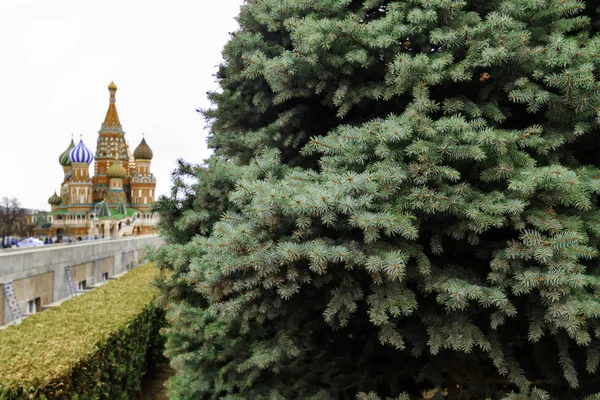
[95, 346]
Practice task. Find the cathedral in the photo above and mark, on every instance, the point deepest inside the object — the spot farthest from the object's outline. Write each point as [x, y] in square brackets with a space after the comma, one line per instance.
[116, 201]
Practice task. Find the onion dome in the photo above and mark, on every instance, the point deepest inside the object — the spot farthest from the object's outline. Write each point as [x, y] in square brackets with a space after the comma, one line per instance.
[116, 171]
[64, 157]
[112, 86]
[81, 154]
[143, 151]
[54, 200]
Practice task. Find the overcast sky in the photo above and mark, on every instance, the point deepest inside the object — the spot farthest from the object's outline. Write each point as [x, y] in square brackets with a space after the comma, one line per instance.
[58, 58]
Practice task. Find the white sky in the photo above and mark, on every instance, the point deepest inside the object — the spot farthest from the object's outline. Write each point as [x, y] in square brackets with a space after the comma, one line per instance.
[58, 57]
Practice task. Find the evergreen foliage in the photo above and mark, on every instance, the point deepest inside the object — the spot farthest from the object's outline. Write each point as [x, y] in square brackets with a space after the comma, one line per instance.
[402, 200]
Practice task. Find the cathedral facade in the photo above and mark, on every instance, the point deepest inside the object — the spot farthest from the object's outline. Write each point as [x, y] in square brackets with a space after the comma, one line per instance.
[116, 201]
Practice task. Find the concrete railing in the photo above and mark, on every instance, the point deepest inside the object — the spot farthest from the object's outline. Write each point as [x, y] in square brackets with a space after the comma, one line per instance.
[38, 274]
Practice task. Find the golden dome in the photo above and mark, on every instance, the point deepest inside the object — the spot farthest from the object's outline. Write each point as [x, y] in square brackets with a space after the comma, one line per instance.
[112, 86]
[116, 171]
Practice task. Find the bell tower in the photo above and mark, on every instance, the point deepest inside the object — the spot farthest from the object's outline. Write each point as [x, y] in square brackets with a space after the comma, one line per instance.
[111, 141]
[80, 185]
[143, 182]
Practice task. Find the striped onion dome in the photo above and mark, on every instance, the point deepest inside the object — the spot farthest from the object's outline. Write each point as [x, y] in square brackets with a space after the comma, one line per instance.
[81, 154]
[64, 157]
[143, 151]
[116, 171]
[54, 200]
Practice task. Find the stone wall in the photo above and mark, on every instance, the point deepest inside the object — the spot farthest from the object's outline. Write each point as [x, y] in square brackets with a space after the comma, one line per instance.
[40, 272]
[35, 287]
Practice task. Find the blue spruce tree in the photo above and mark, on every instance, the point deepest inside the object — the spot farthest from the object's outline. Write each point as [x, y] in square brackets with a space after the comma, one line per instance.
[402, 201]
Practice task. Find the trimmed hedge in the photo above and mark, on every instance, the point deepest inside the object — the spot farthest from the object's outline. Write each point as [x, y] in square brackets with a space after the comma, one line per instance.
[95, 346]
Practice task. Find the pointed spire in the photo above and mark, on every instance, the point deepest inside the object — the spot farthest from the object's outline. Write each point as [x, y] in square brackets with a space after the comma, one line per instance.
[111, 121]
[104, 210]
[121, 209]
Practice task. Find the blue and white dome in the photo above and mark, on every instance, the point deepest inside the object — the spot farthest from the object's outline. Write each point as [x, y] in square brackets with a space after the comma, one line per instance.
[81, 154]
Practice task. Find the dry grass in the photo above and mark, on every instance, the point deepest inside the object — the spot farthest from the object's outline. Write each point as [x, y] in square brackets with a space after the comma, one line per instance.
[49, 344]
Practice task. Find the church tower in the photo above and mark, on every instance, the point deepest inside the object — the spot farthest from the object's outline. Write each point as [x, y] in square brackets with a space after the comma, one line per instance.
[80, 185]
[116, 200]
[143, 182]
[111, 141]
[115, 173]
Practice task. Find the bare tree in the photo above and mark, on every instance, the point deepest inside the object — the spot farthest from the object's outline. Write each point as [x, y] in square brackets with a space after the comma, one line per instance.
[10, 215]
